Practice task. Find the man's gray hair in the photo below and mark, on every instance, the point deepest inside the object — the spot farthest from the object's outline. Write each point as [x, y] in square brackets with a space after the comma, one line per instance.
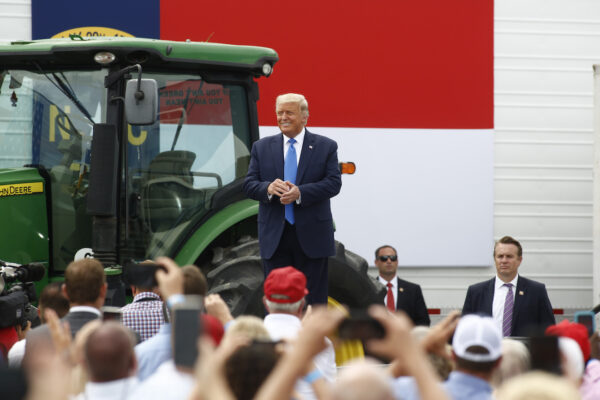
[283, 307]
[293, 98]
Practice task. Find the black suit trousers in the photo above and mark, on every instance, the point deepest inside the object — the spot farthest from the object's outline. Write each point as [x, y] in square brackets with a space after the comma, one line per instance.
[288, 253]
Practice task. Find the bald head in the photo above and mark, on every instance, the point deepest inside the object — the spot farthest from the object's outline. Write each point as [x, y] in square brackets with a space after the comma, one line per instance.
[109, 353]
[362, 380]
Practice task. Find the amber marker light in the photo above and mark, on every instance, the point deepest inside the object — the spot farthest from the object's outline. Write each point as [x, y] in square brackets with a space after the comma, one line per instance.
[347, 167]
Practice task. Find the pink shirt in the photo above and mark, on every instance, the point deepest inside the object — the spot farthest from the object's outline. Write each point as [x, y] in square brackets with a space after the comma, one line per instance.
[590, 387]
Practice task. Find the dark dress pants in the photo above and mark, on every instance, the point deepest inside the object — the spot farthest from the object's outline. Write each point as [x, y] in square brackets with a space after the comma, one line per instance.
[289, 253]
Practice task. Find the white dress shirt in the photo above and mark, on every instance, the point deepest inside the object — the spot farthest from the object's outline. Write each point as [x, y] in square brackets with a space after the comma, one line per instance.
[166, 383]
[394, 283]
[500, 292]
[298, 145]
[117, 389]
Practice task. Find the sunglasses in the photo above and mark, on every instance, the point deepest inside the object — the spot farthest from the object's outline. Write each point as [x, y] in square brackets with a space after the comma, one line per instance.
[385, 258]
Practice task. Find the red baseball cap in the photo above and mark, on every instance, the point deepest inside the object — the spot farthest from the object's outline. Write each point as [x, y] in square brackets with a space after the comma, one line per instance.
[213, 328]
[285, 285]
[575, 331]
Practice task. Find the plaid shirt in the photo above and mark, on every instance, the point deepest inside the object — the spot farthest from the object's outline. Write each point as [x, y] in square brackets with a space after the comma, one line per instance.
[144, 316]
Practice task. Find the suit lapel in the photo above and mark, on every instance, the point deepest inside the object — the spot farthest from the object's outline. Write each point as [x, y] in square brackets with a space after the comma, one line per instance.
[277, 154]
[305, 156]
[521, 288]
[399, 294]
[489, 297]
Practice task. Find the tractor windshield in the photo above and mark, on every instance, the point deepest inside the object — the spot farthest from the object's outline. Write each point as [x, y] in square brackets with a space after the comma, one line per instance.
[46, 117]
[199, 145]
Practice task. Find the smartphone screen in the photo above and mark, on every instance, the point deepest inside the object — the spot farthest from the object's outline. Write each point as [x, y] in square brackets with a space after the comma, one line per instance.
[587, 319]
[545, 355]
[361, 327]
[187, 325]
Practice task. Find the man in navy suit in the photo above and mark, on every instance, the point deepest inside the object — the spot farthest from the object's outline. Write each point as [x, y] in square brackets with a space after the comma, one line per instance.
[519, 306]
[295, 226]
[401, 294]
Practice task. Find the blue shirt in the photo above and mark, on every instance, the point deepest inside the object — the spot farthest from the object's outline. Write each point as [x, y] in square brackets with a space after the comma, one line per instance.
[153, 352]
[464, 386]
[405, 388]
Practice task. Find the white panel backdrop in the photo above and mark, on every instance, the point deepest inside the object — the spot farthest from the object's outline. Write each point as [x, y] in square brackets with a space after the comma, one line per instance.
[429, 193]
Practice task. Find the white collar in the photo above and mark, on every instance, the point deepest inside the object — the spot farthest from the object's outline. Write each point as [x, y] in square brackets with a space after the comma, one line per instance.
[499, 282]
[394, 280]
[85, 309]
[299, 138]
[282, 317]
[125, 386]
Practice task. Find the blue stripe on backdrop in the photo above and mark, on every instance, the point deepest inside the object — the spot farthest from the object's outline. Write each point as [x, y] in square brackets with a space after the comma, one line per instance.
[140, 18]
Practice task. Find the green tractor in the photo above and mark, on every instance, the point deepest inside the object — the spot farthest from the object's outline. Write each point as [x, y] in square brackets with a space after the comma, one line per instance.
[128, 149]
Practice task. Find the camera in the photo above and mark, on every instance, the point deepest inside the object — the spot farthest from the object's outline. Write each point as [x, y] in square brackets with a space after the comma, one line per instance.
[17, 292]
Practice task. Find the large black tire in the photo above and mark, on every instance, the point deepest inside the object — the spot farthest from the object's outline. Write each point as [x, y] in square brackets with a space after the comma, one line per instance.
[236, 274]
[240, 283]
[349, 282]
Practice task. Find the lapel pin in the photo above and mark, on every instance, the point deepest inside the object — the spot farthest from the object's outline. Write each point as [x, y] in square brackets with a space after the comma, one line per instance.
[401, 289]
[521, 293]
[310, 147]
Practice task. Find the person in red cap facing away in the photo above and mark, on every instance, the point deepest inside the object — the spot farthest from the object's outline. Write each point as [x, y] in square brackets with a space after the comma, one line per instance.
[285, 292]
[590, 386]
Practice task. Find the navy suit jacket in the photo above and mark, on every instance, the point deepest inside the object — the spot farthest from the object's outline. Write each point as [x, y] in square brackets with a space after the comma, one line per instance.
[410, 299]
[318, 179]
[532, 310]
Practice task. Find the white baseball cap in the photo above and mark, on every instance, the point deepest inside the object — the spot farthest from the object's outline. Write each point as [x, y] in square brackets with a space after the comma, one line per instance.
[476, 330]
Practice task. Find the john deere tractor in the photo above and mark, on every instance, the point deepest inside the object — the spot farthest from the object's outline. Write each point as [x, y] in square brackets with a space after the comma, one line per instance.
[127, 149]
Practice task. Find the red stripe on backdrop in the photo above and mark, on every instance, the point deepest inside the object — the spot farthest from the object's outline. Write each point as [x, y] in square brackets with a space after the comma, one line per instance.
[384, 64]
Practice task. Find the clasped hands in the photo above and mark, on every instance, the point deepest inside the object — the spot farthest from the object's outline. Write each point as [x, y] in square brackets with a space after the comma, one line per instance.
[287, 191]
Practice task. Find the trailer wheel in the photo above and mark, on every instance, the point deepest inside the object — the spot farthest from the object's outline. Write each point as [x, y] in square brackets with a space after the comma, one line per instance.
[236, 274]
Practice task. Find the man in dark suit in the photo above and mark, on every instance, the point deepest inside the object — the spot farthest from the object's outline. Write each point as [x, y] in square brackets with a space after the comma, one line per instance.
[401, 295]
[85, 288]
[293, 175]
[519, 306]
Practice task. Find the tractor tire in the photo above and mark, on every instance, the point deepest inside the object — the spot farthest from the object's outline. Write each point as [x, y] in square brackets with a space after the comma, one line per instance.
[236, 274]
[349, 281]
[240, 283]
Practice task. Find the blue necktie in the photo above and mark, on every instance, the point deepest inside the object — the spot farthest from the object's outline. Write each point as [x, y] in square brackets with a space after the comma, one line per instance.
[290, 167]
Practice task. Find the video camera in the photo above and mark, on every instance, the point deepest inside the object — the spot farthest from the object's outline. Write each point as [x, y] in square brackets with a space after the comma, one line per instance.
[17, 292]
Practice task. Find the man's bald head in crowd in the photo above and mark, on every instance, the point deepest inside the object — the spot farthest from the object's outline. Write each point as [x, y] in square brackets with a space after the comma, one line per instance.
[109, 353]
[362, 379]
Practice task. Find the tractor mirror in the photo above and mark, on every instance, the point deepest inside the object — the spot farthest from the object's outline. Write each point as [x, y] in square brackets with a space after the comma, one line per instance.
[141, 101]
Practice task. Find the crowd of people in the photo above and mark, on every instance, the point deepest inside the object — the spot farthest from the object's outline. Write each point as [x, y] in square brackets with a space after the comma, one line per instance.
[290, 354]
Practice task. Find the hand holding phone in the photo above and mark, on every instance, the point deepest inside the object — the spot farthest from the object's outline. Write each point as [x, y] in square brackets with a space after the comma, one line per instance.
[169, 277]
[360, 326]
[187, 325]
[141, 274]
